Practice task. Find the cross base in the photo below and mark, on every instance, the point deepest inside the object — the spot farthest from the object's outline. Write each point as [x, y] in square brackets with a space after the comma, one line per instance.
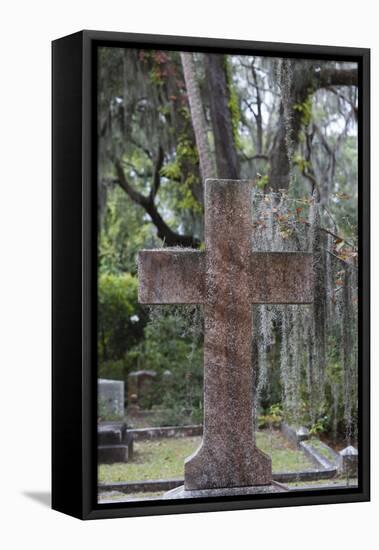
[180, 492]
[237, 465]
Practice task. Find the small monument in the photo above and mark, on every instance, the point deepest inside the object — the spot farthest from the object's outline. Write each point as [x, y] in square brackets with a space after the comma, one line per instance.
[111, 397]
[226, 279]
[140, 389]
[349, 461]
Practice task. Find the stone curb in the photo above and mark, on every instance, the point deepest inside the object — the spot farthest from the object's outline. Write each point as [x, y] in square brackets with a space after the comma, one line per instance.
[320, 487]
[315, 456]
[310, 475]
[152, 485]
[168, 484]
[291, 490]
[141, 434]
[303, 443]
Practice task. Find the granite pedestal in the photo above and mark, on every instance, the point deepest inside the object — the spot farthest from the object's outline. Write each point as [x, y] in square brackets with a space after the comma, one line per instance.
[180, 492]
[115, 443]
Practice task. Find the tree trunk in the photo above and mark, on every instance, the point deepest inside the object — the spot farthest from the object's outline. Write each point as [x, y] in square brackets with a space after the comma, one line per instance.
[226, 155]
[280, 167]
[306, 79]
[197, 116]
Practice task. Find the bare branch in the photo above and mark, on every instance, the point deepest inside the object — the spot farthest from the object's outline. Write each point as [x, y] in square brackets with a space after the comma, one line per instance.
[337, 77]
[135, 195]
[156, 174]
[164, 232]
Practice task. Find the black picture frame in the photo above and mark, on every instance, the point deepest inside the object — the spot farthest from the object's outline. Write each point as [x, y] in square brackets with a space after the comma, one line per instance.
[74, 206]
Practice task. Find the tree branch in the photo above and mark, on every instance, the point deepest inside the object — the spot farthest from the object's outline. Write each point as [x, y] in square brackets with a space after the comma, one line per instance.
[156, 174]
[336, 77]
[135, 195]
[256, 157]
[342, 96]
[164, 232]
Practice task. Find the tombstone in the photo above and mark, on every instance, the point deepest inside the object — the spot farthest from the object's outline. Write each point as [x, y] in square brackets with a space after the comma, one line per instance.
[294, 435]
[167, 376]
[140, 389]
[111, 397]
[302, 434]
[349, 461]
[114, 443]
[226, 279]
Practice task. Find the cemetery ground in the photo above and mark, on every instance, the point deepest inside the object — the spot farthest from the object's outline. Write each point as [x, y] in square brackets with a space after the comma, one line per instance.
[163, 459]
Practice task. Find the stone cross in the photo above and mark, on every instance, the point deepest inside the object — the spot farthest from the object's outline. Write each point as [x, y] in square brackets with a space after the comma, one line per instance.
[226, 279]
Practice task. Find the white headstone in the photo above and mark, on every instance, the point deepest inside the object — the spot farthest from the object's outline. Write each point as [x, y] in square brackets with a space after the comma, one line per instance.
[111, 396]
[349, 461]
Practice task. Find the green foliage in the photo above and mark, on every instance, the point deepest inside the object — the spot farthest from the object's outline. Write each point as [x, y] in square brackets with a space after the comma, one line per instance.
[167, 347]
[187, 156]
[188, 202]
[121, 319]
[104, 413]
[262, 182]
[187, 151]
[305, 109]
[124, 231]
[233, 104]
[319, 427]
[171, 170]
[276, 410]
[113, 369]
[183, 177]
[300, 162]
[272, 417]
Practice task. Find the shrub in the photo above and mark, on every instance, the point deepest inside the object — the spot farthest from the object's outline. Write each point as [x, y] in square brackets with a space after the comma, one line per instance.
[121, 319]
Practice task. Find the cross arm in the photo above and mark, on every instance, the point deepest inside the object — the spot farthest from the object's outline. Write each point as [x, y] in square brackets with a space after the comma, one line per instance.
[178, 277]
[171, 276]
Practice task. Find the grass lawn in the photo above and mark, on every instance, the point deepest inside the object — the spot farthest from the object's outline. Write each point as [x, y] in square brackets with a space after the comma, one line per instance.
[285, 458]
[164, 458]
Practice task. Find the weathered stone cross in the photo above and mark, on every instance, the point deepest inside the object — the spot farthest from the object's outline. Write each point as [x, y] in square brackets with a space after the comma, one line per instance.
[226, 279]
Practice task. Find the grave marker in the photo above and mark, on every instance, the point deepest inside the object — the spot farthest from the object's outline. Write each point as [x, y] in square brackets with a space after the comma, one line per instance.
[226, 279]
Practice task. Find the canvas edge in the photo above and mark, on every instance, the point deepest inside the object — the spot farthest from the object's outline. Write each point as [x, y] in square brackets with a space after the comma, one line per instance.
[87, 507]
